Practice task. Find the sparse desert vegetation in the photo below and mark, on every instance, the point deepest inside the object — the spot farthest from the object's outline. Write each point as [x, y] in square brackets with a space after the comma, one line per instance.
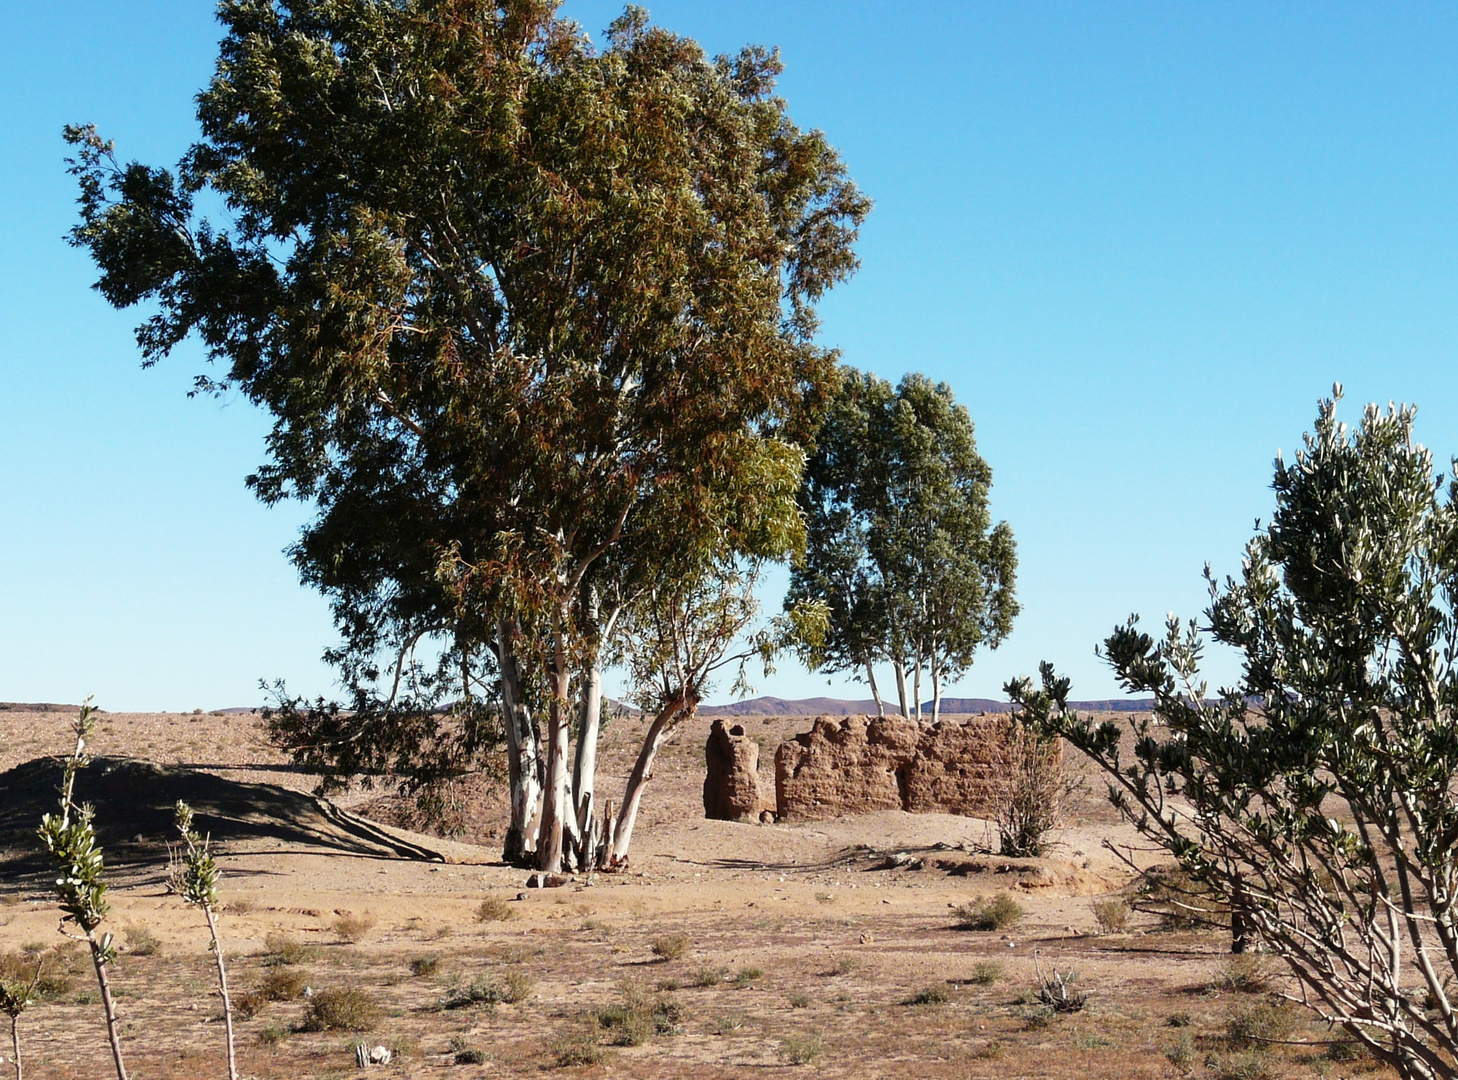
[768, 975]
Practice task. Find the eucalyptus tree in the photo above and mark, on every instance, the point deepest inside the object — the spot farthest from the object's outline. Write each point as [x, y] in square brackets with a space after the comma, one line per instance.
[1316, 799]
[522, 302]
[901, 547]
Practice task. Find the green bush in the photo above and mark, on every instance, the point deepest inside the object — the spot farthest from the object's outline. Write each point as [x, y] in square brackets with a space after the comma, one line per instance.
[1260, 1023]
[930, 994]
[282, 948]
[986, 972]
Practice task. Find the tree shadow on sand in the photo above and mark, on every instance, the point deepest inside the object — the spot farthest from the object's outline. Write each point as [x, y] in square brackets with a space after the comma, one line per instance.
[134, 802]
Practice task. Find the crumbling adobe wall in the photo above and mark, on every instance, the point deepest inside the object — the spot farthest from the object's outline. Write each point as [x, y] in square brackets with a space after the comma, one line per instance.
[731, 788]
[860, 764]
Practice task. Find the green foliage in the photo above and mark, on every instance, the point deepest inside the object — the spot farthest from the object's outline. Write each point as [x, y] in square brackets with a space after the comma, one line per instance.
[555, 322]
[71, 840]
[931, 994]
[197, 881]
[1316, 800]
[901, 550]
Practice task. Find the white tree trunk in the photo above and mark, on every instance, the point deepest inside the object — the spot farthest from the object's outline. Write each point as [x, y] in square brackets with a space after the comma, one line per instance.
[936, 679]
[916, 684]
[584, 772]
[875, 691]
[663, 724]
[523, 755]
[554, 790]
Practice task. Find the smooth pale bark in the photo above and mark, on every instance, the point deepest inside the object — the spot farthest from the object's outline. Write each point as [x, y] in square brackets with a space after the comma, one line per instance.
[875, 691]
[554, 790]
[584, 772]
[936, 679]
[916, 685]
[900, 668]
[523, 754]
[223, 990]
[663, 724]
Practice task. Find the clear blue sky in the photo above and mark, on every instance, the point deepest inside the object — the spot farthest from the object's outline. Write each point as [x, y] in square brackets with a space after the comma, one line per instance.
[1138, 240]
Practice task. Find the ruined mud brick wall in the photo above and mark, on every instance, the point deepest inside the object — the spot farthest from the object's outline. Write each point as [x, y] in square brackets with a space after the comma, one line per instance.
[731, 788]
[860, 764]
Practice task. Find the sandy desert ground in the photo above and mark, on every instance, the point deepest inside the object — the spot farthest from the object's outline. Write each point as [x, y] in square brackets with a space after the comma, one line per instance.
[800, 954]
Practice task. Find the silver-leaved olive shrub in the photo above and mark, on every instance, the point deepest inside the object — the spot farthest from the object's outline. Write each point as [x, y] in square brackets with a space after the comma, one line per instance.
[1317, 797]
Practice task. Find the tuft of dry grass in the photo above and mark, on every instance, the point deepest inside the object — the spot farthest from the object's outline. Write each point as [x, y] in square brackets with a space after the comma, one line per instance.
[282, 984]
[281, 948]
[1000, 912]
[801, 1049]
[424, 966]
[141, 941]
[670, 946]
[1243, 973]
[930, 994]
[342, 1009]
[1257, 1025]
[1111, 914]
[352, 928]
[494, 909]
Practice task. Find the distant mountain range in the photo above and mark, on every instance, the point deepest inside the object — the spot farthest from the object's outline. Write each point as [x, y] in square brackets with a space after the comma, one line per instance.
[823, 706]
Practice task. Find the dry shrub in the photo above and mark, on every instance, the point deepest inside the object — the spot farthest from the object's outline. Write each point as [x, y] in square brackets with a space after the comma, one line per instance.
[494, 909]
[581, 1047]
[519, 987]
[1243, 973]
[930, 994]
[1252, 1065]
[481, 992]
[141, 941]
[248, 1004]
[747, 977]
[986, 972]
[1036, 788]
[352, 928]
[282, 984]
[708, 976]
[1180, 902]
[280, 948]
[641, 1015]
[342, 1009]
[670, 947]
[1261, 1023]
[998, 912]
[424, 966]
[801, 1049]
[1111, 915]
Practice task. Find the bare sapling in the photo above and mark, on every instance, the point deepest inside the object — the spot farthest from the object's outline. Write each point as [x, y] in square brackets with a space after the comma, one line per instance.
[17, 991]
[80, 885]
[196, 881]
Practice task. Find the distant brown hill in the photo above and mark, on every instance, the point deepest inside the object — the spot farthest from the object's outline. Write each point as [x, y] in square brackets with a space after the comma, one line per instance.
[824, 706]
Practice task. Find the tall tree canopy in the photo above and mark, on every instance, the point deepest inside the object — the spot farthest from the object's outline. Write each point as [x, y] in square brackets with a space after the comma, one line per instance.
[532, 318]
[901, 548]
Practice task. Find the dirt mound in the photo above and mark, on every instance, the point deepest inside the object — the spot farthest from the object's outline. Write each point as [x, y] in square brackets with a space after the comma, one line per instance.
[134, 802]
